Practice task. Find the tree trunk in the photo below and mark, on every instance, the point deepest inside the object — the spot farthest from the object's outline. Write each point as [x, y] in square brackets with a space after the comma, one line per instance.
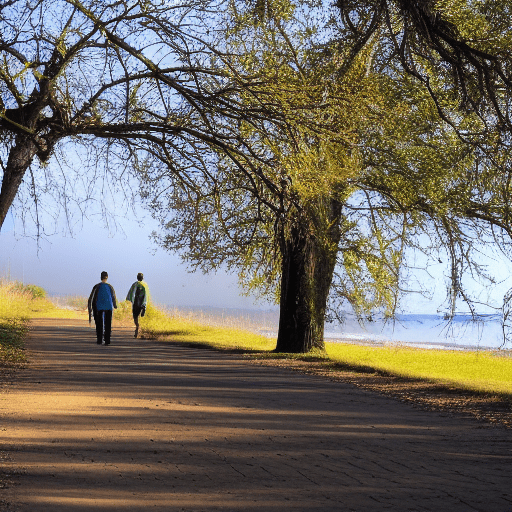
[20, 158]
[308, 261]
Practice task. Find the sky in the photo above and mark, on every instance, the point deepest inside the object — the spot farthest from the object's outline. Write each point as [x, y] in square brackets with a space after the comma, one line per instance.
[65, 265]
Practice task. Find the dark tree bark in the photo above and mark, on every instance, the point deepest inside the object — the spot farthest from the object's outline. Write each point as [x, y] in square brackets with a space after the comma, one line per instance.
[20, 158]
[308, 261]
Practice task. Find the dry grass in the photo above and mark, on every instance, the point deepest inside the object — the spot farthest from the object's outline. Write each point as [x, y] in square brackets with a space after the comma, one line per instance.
[160, 324]
[18, 304]
[14, 315]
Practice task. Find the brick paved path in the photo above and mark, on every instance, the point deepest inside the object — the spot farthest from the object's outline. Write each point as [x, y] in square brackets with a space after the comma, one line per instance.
[141, 426]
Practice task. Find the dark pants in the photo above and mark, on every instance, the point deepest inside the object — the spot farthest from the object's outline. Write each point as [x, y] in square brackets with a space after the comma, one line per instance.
[103, 320]
[136, 311]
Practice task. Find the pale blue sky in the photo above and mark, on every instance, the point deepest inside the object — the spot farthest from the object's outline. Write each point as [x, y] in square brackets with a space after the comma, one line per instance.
[65, 265]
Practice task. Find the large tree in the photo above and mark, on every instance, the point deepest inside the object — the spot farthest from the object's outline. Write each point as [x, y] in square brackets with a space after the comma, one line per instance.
[366, 171]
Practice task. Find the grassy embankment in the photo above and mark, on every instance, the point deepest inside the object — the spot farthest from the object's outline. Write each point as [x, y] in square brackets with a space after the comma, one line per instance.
[480, 371]
[185, 329]
[19, 303]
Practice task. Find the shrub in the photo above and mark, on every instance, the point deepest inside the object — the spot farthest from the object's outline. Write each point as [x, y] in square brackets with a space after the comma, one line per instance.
[32, 290]
[36, 291]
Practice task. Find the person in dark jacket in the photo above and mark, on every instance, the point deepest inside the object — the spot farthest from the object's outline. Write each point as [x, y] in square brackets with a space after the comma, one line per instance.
[138, 295]
[101, 303]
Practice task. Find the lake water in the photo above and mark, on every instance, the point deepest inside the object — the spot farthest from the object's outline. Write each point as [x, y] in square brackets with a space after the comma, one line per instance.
[427, 331]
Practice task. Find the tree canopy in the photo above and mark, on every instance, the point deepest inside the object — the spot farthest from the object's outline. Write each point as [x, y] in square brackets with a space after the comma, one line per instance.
[114, 77]
[374, 164]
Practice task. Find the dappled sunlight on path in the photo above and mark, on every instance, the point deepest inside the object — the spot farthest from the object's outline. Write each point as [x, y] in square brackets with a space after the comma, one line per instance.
[145, 425]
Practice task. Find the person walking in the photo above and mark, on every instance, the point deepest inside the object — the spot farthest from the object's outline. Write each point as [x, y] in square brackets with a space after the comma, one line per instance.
[138, 296]
[101, 303]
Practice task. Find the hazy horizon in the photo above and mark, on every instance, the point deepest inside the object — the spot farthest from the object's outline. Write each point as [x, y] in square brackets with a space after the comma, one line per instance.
[65, 265]
[71, 266]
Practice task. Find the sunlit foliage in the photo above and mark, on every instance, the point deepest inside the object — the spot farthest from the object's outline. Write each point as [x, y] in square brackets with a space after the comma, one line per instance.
[368, 167]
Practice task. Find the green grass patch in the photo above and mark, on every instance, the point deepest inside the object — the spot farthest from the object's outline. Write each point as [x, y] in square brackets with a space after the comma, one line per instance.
[480, 371]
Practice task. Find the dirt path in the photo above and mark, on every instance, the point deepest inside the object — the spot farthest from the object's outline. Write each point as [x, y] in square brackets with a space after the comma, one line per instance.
[146, 426]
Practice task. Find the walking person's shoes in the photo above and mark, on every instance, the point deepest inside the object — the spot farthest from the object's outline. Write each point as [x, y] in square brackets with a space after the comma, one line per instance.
[99, 342]
[136, 332]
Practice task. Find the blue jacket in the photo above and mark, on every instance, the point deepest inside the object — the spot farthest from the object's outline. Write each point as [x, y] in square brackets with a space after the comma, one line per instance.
[103, 297]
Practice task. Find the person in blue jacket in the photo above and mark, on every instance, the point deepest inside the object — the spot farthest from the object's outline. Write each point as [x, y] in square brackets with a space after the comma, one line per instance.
[101, 303]
[138, 295]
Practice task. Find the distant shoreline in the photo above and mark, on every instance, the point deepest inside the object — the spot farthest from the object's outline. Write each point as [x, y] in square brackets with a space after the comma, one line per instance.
[415, 344]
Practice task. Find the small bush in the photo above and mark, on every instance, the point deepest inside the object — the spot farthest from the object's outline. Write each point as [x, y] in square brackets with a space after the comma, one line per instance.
[36, 291]
[32, 290]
